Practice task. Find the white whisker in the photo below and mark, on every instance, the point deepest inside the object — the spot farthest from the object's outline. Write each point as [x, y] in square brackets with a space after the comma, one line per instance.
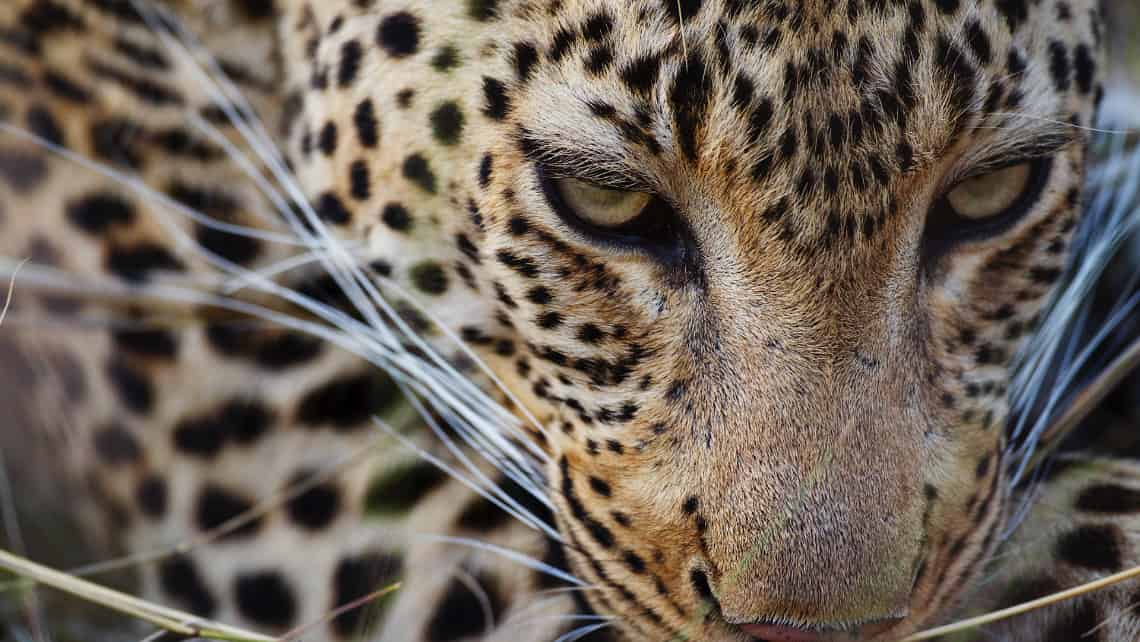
[512, 555]
[578, 634]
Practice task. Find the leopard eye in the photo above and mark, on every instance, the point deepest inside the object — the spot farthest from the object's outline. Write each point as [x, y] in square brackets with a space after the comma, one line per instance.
[986, 205]
[627, 220]
[983, 197]
[605, 208]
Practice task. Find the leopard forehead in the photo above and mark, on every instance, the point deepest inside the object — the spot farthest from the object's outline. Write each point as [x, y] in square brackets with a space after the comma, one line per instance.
[804, 144]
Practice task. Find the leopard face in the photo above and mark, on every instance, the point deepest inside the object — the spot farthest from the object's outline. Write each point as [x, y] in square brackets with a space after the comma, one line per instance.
[767, 264]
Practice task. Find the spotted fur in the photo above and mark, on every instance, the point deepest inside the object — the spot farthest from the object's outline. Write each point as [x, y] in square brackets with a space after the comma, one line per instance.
[792, 415]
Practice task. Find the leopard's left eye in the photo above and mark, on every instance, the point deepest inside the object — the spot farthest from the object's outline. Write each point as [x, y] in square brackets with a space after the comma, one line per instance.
[985, 205]
[990, 195]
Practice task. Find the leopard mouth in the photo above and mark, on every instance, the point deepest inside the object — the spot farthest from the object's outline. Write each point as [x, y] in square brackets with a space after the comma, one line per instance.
[768, 632]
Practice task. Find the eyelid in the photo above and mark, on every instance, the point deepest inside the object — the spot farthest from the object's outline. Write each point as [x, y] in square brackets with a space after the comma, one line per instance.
[1034, 150]
[608, 171]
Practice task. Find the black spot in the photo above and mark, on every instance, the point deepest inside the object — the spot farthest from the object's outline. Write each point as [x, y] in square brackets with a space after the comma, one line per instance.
[356, 578]
[401, 489]
[979, 42]
[327, 140]
[1085, 67]
[65, 88]
[690, 506]
[21, 171]
[134, 390]
[145, 89]
[43, 124]
[485, 166]
[948, 7]
[598, 26]
[159, 344]
[1082, 625]
[429, 277]
[135, 263]
[496, 104]
[681, 10]
[447, 123]
[640, 75]
[399, 34]
[1109, 498]
[1059, 66]
[599, 59]
[331, 209]
[116, 141]
[115, 446]
[360, 184]
[600, 486]
[397, 217]
[151, 495]
[482, 9]
[141, 55]
[245, 420]
[179, 578]
[549, 320]
[1014, 11]
[265, 598]
[689, 96]
[404, 98]
[524, 266]
[460, 614]
[539, 295]
[347, 402]
[446, 59]
[350, 54]
[1027, 589]
[1093, 547]
[286, 350]
[367, 127]
[525, 57]
[634, 562]
[199, 437]
[236, 248]
[590, 333]
[563, 40]
[417, 170]
[217, 506]
[257, 9]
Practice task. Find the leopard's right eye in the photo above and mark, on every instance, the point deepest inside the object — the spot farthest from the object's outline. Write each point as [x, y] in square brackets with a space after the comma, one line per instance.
[600, 206]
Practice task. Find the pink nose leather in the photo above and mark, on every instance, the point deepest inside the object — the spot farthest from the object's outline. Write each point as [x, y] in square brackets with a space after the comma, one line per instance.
[772, 633]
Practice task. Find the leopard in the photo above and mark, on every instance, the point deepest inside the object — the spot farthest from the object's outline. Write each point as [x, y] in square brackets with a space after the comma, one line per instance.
[633, 320]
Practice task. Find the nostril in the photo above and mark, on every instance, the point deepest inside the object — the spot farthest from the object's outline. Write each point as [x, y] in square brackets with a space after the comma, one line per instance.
[700, 582]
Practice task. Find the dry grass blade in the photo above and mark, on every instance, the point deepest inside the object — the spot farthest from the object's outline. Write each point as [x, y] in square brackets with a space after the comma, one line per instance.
[295, 634]
[168, 619]
[1026, 607]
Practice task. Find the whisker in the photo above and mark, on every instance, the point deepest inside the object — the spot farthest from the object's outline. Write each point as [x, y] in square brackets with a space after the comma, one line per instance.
[578, 634]
[515, 556]
[490, 491]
